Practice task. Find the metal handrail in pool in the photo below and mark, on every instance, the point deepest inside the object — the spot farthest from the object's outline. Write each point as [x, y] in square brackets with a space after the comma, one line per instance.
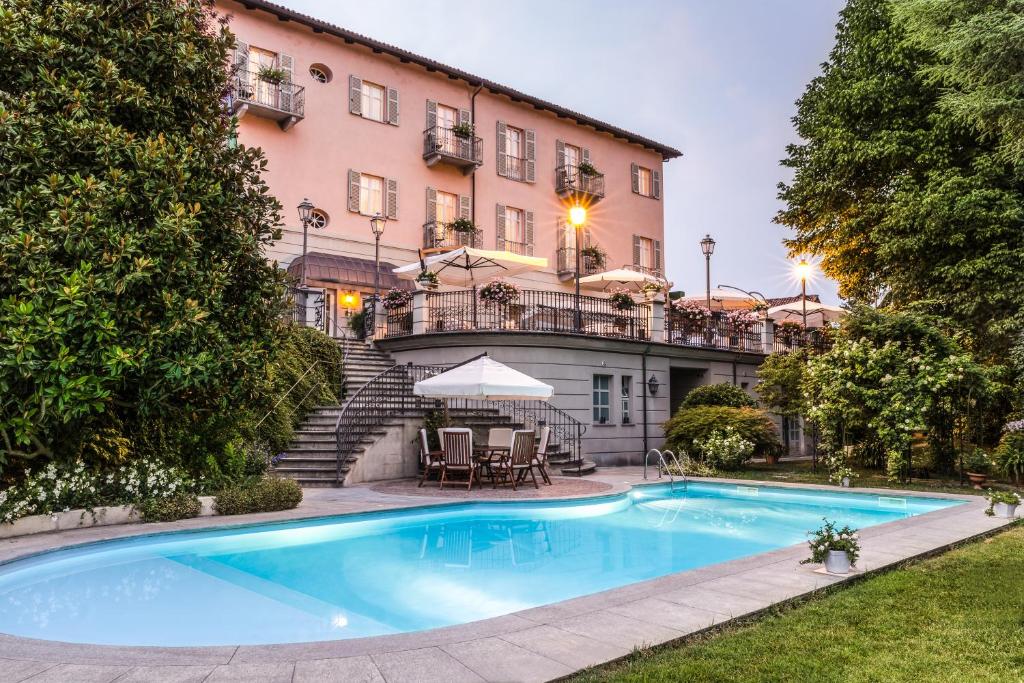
[663, 466]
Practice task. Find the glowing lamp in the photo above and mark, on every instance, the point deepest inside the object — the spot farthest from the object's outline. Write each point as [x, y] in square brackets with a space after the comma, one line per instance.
[577, 216]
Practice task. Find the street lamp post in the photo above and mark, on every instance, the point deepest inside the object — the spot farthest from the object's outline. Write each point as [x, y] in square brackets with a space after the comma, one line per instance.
[577, 217]
[377, 226]
[707, 246]
[305, 208]
[803, 269]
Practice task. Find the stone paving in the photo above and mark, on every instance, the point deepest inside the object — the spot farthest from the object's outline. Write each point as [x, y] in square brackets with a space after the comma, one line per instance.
[537, 644]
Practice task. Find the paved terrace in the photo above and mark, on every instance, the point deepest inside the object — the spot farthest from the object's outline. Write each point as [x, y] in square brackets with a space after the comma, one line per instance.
[537, 644]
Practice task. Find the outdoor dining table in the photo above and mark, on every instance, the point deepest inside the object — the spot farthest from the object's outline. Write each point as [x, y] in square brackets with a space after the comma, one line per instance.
[488, 455]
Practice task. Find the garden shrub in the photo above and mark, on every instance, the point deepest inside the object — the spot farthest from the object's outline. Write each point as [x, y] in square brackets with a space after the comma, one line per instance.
[1009, 456]
[691, 427]
[263, 494]
[725, 450]
[182, 505]
[718, 395]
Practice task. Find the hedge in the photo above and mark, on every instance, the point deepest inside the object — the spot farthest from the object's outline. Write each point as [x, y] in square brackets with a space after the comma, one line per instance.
[266, 494]
[691, 425]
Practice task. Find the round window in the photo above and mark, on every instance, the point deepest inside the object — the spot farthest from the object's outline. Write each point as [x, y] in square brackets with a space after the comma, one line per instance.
[320, 73]
[319, 219]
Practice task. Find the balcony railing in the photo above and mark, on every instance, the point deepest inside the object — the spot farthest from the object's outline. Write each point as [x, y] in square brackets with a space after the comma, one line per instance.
[515, 168]
[716, 333]
[813, 340]
[647, 270]
[536, 311]
[283, 102]
[442, 144]
[521, 248]
[437, 235]
[571, 182]
[398, 321]
[566, 259]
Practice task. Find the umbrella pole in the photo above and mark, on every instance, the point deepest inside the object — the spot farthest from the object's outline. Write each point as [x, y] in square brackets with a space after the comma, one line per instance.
[447, 418]
[476, 325]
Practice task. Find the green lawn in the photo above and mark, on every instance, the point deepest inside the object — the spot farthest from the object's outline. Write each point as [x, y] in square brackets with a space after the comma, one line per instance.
[799, 472]
[958, 617]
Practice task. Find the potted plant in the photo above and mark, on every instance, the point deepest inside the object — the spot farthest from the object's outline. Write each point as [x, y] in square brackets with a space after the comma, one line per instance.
[651, 290]
[978, 466]
[621, 301]
[395, 299]
[838, 549]
[1002, 504]
[499, 292]
[587, 169]
[272, 74]
[463, 130]
[594, 257]
[462, 225]
[427, 279]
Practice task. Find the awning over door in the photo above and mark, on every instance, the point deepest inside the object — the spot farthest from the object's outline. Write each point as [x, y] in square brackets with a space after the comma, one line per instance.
[348, 271]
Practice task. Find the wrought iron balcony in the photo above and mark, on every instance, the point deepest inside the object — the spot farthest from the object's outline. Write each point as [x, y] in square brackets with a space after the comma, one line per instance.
[445, 145]
[515, 168]
[575, 184]
[282, 102]
[646, 270]
[441, 237]
[521, 248]
[566, 258]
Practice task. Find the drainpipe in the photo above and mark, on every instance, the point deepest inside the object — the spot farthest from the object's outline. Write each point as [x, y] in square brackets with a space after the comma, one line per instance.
[643, 383]
[472, 177]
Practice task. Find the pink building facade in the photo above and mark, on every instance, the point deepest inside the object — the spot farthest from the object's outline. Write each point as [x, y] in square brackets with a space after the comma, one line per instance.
[360, 127]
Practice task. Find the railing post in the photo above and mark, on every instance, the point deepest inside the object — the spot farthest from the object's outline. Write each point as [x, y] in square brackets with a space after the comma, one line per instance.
[768, 336]
[420, 312]
[656, 318]
[380, 322]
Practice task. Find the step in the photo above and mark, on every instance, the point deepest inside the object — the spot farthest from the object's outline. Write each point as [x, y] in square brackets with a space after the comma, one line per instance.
[583, 470]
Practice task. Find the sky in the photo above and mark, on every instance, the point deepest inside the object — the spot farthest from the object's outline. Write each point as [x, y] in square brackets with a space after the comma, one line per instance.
[716, 79]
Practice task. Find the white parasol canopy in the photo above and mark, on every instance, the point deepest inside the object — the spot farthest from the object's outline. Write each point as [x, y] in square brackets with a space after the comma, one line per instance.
[468, 266]
[621, 276]
[793, 312]
[484, 378]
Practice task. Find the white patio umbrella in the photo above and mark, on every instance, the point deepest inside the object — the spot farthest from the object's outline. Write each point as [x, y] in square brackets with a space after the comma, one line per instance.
[793, 312]
[468, 266]
[621, 276]
[486, 379]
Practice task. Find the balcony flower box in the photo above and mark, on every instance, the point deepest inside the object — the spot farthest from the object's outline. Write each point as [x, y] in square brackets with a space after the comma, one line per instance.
[499, 292]
[464, 131]
[396, 299]
[587, 169]
[463, 226]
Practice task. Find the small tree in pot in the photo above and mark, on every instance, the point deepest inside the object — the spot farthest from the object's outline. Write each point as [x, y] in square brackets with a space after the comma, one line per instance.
[838, 549]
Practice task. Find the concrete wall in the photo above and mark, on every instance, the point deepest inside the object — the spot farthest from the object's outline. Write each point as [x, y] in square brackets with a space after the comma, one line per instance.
[393, 456]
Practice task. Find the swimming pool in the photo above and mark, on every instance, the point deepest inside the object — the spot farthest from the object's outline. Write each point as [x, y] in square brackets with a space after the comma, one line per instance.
[405, 570]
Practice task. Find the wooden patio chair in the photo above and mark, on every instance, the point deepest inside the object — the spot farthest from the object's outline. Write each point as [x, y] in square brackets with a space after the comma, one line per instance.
[540, 458]
[430, 461]
[457, 444]
[519, 459]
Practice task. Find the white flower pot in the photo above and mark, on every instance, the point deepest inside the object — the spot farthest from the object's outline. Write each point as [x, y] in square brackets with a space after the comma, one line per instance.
[845, 483]
[1004, 510]
[837, 562]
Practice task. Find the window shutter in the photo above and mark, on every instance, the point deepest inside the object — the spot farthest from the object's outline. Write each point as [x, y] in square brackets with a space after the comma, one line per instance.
[531, 155]
[657, 255]
[286, 64]
[431, 114]
[391, 207]
[499, 226]
[588, 238]
[656, 184]
[465, 144]
[353, 191]
[393, 106]
[465, 206]
[559, 153]
[561, 227]
[355, 95]
[431, 205]
[585, 154]
[528, 217]
[636, 250]
[502, 157]
[634, 172]
[241, 55]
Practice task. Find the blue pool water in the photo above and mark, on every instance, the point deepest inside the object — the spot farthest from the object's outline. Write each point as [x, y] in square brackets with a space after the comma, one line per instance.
[380, 573]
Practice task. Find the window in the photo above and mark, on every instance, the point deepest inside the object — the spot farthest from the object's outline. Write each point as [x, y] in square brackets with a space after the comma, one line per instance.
[645, 185]
[373, 101]
[513, 142]
[626, 390]
[602, 398]
[646, 253]
[447, 117]
[572, 156]
[320, 73]
[794, 431]
[447, 208]
[371, 191]
[262, 91]
[515, 227]
[319, 219]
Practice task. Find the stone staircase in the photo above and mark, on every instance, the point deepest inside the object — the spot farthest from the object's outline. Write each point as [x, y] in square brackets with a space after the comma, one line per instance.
[311, 458]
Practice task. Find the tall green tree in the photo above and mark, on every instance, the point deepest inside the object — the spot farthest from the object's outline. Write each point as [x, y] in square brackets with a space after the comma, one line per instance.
[135, 301]
[904, 201]
[979, 51]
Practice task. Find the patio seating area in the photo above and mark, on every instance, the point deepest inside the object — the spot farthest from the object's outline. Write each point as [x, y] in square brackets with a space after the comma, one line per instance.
[508, 458]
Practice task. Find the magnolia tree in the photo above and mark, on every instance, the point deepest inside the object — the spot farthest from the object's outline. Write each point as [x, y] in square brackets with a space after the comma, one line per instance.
[887, 375]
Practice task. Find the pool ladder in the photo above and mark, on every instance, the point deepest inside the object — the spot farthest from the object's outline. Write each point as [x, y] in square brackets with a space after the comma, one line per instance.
[663, 466]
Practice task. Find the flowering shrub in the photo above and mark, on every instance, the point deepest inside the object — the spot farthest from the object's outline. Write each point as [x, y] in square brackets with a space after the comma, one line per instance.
[396, 298]
[838, 467]
[742, 321]
[499, 292]
[789, 332]
[691, 311]
[59, 489]
[726, 449]
[829, 538]
[621, 300]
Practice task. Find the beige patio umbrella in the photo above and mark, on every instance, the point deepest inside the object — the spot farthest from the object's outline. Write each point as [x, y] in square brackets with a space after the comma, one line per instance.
[485, 379]
[622, 276]
[468, 266]
[793, 312]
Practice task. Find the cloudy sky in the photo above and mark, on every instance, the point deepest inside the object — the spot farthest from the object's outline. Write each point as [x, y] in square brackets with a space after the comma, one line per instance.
[714, 78]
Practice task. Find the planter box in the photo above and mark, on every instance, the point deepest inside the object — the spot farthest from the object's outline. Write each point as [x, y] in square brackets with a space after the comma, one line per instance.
[1004, 510]
[80, 519]
[837, 562]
